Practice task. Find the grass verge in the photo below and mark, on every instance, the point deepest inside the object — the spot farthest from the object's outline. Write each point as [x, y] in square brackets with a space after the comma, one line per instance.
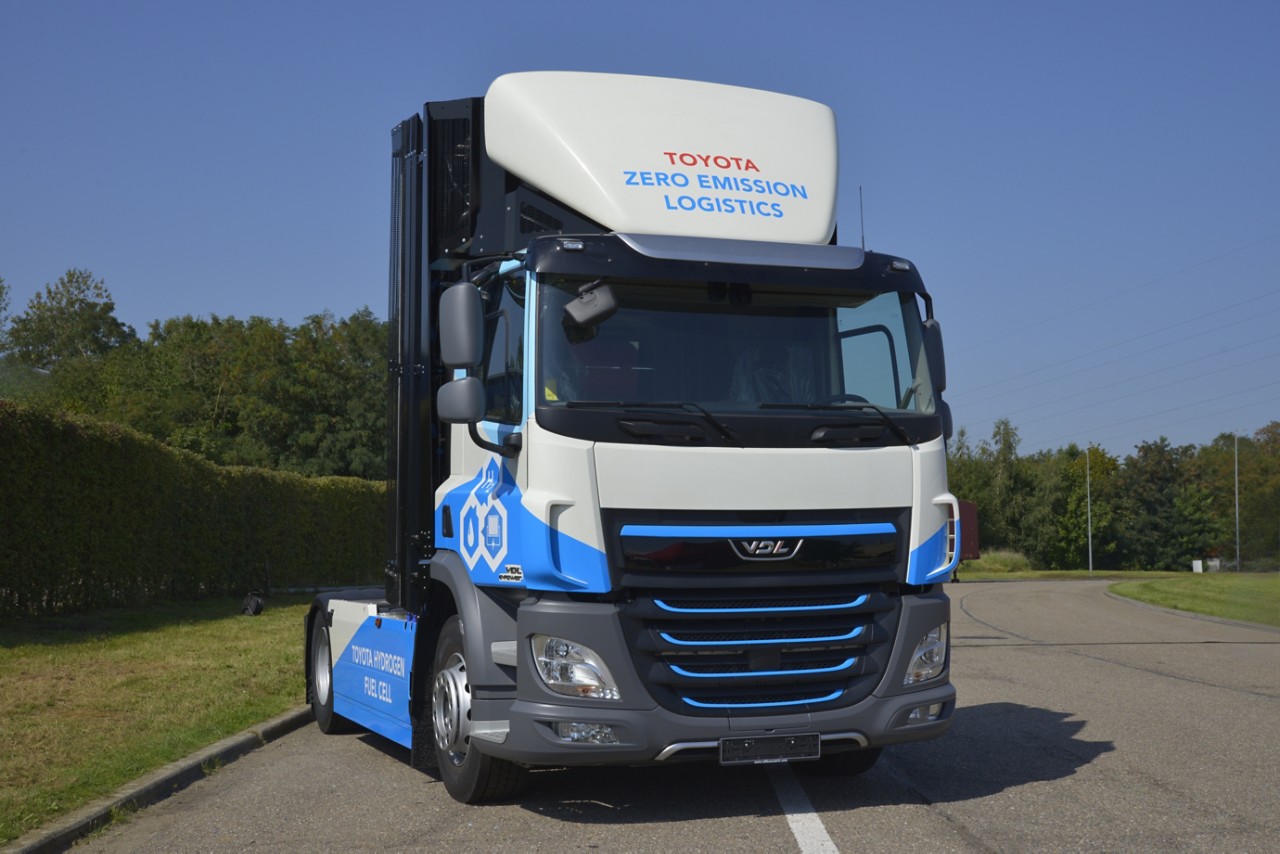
[1248, 596]
[89, 703]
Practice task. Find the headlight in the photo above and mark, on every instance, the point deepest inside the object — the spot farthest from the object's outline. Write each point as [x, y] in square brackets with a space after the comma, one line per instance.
[929, 658]
[572, 669]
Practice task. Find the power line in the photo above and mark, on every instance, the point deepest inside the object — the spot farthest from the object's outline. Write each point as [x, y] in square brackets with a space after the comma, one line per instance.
[1117, 294]
[1199, 318]
[1130, 380]
[1217, 412]
[1200, 402]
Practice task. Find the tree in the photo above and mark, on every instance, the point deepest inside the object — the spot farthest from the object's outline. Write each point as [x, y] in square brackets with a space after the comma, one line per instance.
[1260, 501]
[72, 319]
[1166, 517]
[1008, 489]
[309, 399]
[965, 472]
[1089, 493]
[174, 385]
[1040, 535]
[15, 380]
[259, 377]
[339, 374]
[218, 387]
[1259, 478]
[4, 316]
[994, 478]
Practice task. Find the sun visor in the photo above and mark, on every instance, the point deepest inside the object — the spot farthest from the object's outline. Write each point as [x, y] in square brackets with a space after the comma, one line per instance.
[649, 155]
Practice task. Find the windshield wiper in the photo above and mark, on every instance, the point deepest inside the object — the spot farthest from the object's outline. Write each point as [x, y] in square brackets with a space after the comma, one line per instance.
[894, 426]
[727, 433]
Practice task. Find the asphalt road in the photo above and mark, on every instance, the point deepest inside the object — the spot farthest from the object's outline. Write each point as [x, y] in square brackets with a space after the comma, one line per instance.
[1085, 723]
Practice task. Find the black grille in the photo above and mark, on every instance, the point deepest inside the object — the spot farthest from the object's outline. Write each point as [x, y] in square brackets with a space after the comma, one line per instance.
[761, 653]
[535, 221]
[715, 633]
[451, 176]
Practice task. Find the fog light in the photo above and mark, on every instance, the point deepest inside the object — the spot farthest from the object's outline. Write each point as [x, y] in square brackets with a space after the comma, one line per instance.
[930, 657]
[925, 714]
[585, 733]
[573, 669]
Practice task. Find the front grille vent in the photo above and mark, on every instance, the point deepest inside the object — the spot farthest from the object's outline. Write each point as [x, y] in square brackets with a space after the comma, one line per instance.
[758, 653]
[714, 633]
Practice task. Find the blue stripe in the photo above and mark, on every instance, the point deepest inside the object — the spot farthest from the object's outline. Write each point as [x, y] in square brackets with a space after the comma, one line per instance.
[853, 634]
[832, 696]
[717, 532]
[845, 665]
[926, 562]
[838, 606]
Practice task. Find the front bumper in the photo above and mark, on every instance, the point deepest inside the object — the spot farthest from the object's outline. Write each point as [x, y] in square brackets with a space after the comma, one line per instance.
[523, 730]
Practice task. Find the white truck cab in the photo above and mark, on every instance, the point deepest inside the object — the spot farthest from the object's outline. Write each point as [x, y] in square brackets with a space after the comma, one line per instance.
[668, 472]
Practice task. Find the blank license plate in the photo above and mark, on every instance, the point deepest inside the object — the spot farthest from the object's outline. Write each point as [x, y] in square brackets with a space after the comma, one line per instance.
[761, 750]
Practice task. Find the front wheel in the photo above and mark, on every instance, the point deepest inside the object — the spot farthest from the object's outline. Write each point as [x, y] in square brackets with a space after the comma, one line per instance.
[469, 775]
[320, 689]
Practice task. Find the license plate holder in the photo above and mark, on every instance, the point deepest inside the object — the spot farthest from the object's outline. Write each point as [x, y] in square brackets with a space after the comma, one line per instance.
[769, 749]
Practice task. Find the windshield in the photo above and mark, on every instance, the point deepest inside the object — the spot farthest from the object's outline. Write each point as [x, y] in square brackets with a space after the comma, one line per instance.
[735, 348]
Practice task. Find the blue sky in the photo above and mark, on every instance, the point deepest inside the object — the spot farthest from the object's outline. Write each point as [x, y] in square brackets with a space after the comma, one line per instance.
[1091, 190]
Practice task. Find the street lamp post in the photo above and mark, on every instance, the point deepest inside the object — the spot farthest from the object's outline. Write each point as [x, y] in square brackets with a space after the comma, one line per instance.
[1237, 437]
[1088, 502]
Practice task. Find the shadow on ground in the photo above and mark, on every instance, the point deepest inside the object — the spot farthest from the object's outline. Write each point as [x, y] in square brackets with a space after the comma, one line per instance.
[989, 749]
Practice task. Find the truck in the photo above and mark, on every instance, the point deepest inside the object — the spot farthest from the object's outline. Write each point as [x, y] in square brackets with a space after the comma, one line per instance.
[667, 464]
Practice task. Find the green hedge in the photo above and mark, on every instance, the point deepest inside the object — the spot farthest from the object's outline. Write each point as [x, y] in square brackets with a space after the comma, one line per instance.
[94, 515]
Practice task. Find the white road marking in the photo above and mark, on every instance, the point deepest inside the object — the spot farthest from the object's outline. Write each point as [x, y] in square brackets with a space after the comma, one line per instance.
[806, 827]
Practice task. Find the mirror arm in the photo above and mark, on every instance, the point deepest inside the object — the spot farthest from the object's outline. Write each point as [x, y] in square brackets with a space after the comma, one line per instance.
[509, 449]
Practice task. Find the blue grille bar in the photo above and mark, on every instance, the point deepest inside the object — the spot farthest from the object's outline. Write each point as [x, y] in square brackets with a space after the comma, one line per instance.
[787, 640]
[773, 609]
[805, 702]
[844, 665]
[719, 532]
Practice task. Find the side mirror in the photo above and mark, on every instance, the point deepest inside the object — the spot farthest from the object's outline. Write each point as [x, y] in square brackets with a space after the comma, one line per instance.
[933, 352]
[461, 327]
[944, 410]
[461, 401]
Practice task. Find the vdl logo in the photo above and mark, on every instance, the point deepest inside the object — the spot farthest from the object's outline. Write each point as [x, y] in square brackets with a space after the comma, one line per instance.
[766, 549]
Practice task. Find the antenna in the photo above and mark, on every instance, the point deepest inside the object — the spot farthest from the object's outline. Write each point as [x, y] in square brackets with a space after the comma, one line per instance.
[862, 220]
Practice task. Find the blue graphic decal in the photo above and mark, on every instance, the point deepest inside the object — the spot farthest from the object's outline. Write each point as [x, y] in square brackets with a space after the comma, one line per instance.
[503, 544]
[484, 516]
[928, 562]
[493, 538]
[371, 678]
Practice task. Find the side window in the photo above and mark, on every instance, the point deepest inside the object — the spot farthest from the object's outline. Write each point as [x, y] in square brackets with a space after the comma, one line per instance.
[503, 367]
[873, 352]
[869, 365]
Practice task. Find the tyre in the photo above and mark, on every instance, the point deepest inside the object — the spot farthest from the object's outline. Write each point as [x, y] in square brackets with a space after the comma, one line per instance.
[422, 744]
[468, 774]
[846, 764]
[320, 689]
